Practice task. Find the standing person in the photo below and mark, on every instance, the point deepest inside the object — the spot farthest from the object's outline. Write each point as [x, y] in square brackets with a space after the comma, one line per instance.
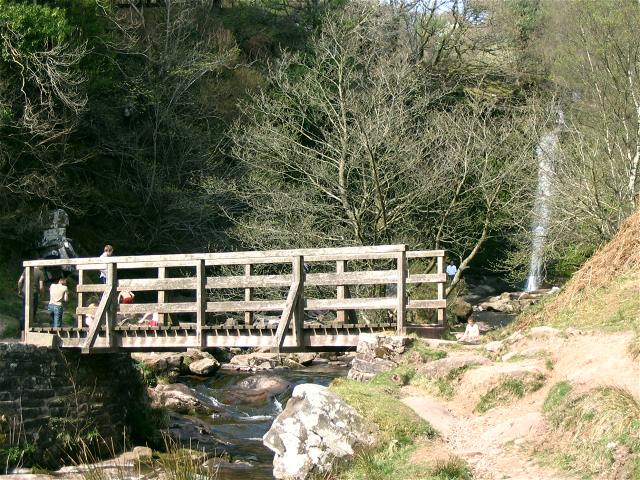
[58, 294]
[108, 251]
[38, 281]
[451, 271]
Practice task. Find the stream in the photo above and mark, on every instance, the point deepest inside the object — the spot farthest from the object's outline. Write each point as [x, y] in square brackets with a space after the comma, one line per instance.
[243, 424]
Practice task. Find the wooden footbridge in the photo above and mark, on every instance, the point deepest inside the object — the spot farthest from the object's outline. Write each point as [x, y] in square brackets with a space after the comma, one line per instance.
[282, 299]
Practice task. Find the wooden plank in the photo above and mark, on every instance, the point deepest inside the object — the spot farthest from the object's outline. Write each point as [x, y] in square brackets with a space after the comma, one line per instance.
[441, 311]
[425, 253]
[401, 292]
[241, 306]
[341, 268]
[135, 308]
[350, 304]
[111, 310]
[427, 278]
[98, 321]
[248, 271]
[375, 277]
[298, 306]
[82, 277]
[162, 260]
[285, 318]
[28, 301]
[417, 304]
[162, 296]
[201, 302]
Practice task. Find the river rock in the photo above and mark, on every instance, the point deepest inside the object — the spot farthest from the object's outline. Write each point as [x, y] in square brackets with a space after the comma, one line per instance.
[443, 367]
[315, 429]
[193, 431]
[159, 363]
[255, 360]
[494, 347]
[461, 309]
[304, 358]
[205, 366]
[180, 398]
[256, 389]
[376, 354]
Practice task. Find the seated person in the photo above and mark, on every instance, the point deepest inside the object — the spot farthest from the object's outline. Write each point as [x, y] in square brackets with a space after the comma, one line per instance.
[152, 318]
[88, 319]
[471, 334]
[126, 296]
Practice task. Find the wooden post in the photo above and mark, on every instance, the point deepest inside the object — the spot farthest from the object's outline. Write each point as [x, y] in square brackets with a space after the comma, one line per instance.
[248, 294]
[162, 317]
[441, 311]
[298, 308]
[111, 312]
[201, 301]
[81, 281]
[28, 301]
[341, 267]
[401, 308]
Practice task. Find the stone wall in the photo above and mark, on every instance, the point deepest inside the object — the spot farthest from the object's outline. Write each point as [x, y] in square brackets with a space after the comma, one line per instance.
[53, 401]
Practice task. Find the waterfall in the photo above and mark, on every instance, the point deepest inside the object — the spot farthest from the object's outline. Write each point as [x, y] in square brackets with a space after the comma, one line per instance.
[546, 152]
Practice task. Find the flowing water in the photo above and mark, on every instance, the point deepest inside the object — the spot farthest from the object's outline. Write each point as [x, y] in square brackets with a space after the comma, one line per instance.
[546, 153]
[243, 424]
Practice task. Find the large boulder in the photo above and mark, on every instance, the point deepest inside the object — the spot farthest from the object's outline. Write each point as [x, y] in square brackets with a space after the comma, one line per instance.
[204, 366]
[180, 398]
[256, 389]
[255, 361]
[461, 309]
[315, 429]
[159, 363]
[376, 354]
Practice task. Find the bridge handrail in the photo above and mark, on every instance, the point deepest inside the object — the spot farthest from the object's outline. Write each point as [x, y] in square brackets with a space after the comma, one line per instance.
[233, 258]
[292, 308]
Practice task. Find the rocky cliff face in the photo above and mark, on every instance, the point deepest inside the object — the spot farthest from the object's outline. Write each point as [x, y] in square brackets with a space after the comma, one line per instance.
[316, 428]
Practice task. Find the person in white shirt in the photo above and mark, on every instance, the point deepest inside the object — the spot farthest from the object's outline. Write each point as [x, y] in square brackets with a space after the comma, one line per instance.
[451, 271]
[58, 294]
[108, 251]
[471, 333]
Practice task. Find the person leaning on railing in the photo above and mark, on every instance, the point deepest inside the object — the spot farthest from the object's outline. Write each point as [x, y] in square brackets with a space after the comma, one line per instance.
[58, 294]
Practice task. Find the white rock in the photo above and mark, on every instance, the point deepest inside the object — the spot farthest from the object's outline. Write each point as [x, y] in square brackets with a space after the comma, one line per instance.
[206, 366]
[543, 332]
[316, 428]
[493, 346]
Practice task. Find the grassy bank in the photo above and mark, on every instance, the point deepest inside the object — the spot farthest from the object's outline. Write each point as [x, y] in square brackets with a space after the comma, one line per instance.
[592, 433]
[401, 432]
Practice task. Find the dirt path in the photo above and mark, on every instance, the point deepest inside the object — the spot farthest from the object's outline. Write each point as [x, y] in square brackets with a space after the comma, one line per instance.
[497, 445]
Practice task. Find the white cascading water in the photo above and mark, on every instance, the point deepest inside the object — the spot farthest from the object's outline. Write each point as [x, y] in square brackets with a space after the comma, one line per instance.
[546, 152]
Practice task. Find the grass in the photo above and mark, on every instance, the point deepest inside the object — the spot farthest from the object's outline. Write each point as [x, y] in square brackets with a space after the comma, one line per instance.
[400, 431]
[444, 387]
[507, 391]
[590, 309]
[425, 353]
[594, 432]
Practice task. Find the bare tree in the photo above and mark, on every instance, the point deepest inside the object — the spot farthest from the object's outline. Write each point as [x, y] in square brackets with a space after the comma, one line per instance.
[357, 145]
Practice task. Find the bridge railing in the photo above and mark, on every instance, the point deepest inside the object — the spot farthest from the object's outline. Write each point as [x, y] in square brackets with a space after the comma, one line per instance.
[346, 270]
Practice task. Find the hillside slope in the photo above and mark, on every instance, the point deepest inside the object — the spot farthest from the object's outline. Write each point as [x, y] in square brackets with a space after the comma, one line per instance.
[604, 294]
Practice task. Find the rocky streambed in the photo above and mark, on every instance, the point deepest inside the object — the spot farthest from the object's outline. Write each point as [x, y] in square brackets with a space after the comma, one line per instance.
[225, 414]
